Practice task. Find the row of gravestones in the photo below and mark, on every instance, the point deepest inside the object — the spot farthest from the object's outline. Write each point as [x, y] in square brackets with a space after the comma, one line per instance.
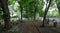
[54, 22]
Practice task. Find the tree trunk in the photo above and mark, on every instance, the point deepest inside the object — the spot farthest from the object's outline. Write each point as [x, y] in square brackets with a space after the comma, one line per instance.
[45, 13]
[27, 12]
[21, 9]
[6, 14]
[35, 14]
[35, 11]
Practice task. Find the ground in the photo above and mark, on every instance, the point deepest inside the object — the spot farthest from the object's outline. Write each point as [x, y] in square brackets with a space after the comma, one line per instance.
[32, 27]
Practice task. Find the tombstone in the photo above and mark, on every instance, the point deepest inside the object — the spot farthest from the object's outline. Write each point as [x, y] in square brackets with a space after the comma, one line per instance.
[55, 24]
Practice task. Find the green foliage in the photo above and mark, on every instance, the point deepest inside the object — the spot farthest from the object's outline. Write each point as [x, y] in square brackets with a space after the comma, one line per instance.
[10, 2]
[41, 13]
[40, 5]
[57, 1]
[30, 4]
[24, 2]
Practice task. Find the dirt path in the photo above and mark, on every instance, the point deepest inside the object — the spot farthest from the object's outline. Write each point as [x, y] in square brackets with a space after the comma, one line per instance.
[30, 28]
[26, 27]
[35, 30]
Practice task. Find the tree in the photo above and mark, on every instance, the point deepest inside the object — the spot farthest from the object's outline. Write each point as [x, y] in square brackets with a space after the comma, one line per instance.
[21, 8]
[35, 7]
[6, 14]
[45, 13]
